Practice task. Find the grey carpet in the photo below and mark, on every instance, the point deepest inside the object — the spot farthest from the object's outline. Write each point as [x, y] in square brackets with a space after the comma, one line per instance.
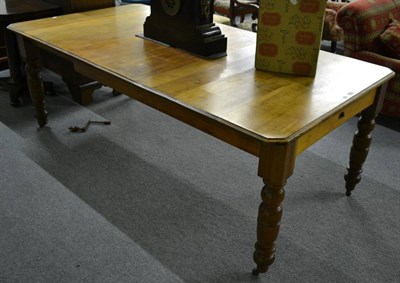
[149, 199]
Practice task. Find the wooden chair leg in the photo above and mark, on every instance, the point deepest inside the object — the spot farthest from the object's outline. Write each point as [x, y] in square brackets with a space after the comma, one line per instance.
[232, 20]
[333, 46]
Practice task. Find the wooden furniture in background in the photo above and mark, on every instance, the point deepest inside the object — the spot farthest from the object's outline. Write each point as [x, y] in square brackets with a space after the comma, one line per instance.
[73, 6]
[12, 11]
[332, 31]
[275, 117]
[3, 53]
[236, 8]
[81, 87]
[145, 2]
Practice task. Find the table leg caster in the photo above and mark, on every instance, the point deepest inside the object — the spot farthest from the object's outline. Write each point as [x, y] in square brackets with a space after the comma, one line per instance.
[255, 272]
[116, 92]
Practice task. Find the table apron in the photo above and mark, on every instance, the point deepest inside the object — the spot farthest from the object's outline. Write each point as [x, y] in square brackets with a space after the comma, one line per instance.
[333, 121]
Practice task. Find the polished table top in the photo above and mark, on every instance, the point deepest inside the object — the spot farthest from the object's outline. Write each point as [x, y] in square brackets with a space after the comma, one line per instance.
[264, 106]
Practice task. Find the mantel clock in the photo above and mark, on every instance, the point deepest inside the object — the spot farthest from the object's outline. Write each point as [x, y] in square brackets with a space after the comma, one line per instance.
[186, 24]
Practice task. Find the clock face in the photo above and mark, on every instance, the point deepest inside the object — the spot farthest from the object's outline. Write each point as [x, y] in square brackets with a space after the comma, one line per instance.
[171, 7]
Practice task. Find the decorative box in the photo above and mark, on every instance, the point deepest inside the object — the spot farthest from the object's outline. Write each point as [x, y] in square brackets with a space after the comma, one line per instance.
[289, 36]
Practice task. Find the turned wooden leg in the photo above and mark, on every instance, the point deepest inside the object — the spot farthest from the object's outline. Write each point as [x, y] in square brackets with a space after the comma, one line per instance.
[268, 223]
[35, 83]
[36, 90]
[17, 82]
[16, 88]
[362, 140]
[360, 148]
[276, 165]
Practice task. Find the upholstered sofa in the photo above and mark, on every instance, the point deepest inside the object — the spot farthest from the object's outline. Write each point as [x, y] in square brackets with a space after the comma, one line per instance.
[372, 34]
[331, 30]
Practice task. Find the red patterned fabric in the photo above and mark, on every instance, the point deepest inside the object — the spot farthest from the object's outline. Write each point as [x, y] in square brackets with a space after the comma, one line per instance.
[363, 22]
[332, 31]
[390, 39]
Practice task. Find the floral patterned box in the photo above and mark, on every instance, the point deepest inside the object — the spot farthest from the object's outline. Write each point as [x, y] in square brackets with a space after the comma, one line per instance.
[289, 36]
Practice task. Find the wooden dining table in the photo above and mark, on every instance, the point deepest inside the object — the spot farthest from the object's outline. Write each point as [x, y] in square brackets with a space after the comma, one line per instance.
[272, 116]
